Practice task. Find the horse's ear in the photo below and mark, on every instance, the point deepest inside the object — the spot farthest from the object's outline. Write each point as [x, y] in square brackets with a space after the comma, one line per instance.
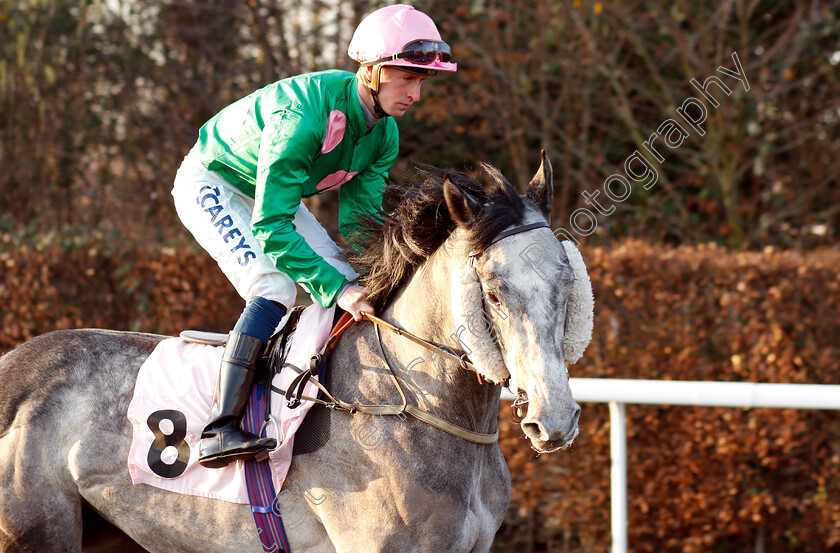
[541, 187]
[463, 206]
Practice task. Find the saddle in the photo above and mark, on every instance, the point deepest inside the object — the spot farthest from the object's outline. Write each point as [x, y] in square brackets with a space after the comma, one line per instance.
[315, 429]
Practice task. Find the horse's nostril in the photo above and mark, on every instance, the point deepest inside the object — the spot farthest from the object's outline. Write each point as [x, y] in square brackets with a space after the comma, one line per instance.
[532, 429]
[576, 416]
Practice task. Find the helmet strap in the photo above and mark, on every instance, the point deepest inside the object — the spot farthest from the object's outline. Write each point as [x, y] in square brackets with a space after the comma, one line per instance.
[377, 107]
[373, 86]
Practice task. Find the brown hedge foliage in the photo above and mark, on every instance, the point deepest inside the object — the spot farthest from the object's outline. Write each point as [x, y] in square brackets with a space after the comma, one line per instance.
[92, 280]
[700, 479]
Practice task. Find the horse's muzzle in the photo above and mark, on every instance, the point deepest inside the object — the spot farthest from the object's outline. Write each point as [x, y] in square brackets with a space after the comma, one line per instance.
[545, 438]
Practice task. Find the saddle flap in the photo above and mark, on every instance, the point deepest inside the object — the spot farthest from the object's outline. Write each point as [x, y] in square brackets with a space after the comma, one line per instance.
[205, 338]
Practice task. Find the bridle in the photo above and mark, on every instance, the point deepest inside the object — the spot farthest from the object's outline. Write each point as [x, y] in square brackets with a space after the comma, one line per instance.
[294, 394]
[516, 230]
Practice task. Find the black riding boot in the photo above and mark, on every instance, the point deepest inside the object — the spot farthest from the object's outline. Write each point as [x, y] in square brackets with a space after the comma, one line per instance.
[222, 442]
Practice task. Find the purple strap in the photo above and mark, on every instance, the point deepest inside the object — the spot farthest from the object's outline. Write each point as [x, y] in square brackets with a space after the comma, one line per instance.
[260, 486]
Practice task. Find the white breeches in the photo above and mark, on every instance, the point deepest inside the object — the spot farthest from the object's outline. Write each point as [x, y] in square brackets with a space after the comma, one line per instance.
[219, 216]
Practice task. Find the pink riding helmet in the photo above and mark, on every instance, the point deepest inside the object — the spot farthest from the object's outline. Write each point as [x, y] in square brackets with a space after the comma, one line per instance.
[388, 30]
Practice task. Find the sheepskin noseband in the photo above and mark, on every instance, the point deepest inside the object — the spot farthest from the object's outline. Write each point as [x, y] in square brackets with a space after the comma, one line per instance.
[473, 327]
[473, 324]
[579, 309]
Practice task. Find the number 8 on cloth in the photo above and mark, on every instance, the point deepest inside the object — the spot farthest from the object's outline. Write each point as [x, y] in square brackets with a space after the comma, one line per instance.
[174, 438]
[168, 411]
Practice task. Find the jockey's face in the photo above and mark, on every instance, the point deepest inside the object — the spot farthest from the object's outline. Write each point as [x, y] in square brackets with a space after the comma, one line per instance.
[398, 89]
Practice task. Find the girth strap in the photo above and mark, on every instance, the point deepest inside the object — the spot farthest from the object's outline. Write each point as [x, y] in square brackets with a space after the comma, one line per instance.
[260, 486]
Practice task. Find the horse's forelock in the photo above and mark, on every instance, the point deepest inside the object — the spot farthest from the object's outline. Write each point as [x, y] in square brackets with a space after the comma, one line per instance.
[503, 208]
[394, 244]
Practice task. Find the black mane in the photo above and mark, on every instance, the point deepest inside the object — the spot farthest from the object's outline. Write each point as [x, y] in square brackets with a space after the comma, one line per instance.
[400, 241]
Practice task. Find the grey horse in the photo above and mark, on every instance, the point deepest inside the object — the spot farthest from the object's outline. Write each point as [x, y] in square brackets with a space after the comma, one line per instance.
[471, 266]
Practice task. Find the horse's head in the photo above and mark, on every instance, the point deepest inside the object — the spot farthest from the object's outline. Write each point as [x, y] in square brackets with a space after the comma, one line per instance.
[519, 301]
[522, 301]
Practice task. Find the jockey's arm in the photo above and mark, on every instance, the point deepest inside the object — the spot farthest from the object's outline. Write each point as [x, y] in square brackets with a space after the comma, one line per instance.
[287, 149]
[363, 194]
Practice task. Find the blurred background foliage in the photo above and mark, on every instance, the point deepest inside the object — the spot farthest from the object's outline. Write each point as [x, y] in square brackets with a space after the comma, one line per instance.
[102, 99]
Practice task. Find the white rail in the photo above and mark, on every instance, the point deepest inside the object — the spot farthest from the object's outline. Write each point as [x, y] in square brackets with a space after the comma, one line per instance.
[618, 392]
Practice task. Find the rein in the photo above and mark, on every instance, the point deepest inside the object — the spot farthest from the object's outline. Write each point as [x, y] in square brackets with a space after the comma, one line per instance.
[463, 361]
[294, 394]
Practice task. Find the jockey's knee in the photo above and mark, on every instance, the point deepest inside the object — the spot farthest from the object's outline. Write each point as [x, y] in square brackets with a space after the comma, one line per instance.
[275, 286]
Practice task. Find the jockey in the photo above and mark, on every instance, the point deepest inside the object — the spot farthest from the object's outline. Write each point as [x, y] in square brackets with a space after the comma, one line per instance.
[239, 192]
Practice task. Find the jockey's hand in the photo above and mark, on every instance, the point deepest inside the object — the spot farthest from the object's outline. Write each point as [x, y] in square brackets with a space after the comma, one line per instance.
[354, 300]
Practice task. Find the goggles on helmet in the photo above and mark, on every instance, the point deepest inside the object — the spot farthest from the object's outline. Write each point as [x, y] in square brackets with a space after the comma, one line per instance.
[422, 52]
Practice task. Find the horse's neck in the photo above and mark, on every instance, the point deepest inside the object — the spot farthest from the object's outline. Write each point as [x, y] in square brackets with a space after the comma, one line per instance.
[423, 307]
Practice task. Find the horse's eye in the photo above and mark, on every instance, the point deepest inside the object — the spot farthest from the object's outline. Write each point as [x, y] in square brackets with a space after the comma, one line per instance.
[493, 298]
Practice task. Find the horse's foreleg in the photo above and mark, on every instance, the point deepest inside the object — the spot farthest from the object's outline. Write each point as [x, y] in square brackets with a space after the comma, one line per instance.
[304, 529]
